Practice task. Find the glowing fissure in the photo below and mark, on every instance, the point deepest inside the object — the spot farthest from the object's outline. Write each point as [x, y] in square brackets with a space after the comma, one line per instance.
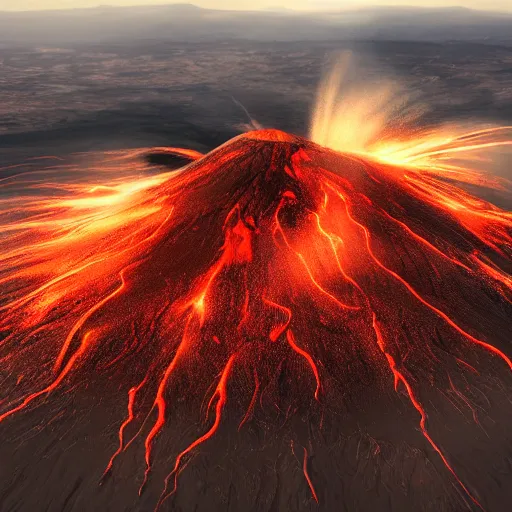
[221, 396]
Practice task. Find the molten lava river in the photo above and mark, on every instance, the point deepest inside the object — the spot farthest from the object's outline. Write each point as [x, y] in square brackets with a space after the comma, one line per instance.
[273, 326]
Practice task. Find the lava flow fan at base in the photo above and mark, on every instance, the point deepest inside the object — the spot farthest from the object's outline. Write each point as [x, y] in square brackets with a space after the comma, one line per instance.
[274, 300]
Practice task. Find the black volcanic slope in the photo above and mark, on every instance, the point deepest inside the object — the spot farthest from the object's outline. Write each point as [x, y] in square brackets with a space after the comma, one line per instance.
[276, 326]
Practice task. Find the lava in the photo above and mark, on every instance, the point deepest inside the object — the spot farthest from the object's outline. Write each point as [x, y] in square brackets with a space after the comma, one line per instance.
[270, 272]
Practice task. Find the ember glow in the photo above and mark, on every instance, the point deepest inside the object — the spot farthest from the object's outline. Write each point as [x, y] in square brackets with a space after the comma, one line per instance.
[271, 278]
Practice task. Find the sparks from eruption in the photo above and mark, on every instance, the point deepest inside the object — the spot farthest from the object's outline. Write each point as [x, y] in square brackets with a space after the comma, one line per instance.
[300, 228]
[376, 122]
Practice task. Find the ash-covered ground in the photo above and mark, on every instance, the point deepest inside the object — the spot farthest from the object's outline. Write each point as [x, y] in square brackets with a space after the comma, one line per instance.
[163, 93]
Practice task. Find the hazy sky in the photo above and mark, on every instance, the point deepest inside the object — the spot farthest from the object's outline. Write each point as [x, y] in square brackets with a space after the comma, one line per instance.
[17, 5]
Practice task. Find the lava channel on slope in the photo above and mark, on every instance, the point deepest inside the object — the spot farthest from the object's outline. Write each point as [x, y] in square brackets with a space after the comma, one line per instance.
[348, 317]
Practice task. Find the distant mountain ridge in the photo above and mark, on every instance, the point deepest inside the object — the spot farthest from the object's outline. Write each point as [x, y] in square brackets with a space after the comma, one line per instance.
[188, 22]
[179, 7]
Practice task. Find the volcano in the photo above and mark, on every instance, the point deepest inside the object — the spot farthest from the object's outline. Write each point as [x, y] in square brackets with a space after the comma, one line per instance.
[274, 326]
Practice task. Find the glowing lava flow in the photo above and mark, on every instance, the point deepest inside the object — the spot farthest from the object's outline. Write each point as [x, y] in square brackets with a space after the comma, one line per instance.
[270, 271]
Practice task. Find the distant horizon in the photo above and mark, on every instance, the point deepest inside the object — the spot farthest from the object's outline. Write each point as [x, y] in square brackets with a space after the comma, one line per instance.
[299, 6]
